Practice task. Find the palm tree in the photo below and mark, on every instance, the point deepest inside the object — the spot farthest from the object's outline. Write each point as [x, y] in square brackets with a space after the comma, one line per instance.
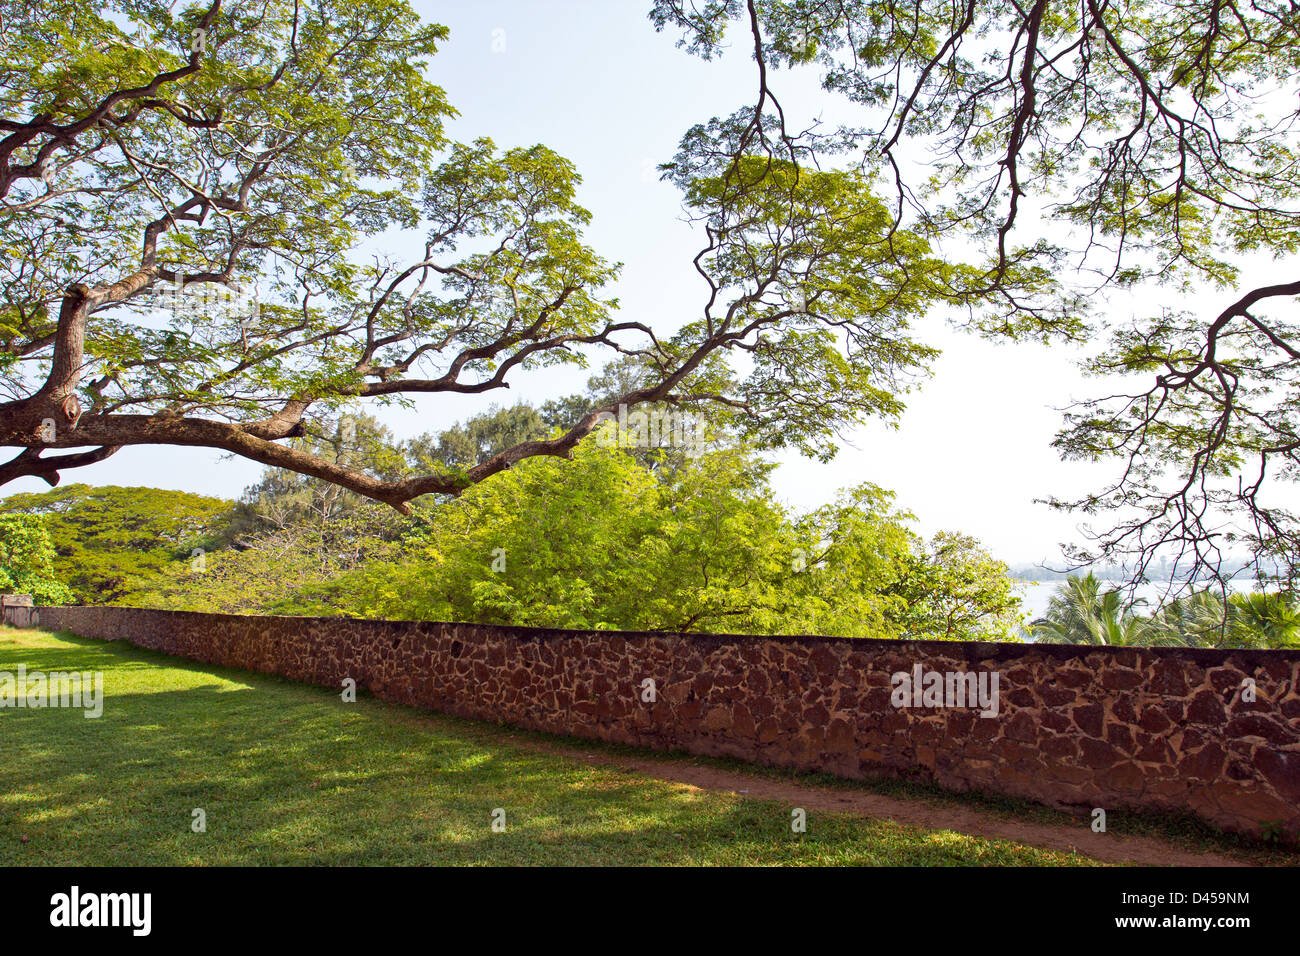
[1263, 619]
[1081, 613]
[1255, 620]
[1195, 620]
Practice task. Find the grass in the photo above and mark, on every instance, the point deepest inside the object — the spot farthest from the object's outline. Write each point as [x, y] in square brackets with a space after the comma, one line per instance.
[289, 774]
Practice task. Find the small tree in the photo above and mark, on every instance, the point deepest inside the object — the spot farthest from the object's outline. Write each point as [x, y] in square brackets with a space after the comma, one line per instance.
[27, 560]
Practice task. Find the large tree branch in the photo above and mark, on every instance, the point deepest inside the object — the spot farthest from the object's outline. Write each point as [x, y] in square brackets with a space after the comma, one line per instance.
[31, 463]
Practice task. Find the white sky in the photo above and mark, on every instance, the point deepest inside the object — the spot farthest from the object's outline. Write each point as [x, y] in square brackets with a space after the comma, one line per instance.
[592, 80]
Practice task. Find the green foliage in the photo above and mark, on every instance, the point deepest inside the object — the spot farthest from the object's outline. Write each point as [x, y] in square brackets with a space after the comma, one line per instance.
[1263, 619]
[1259, 619]
[278, 570]
[290, 531]
[617, 541]
[305, 129]
[107, 540]
[953, 588]
[27, 560]
[1082, 613]
[351, 440]
[832, 287]
[478, 438]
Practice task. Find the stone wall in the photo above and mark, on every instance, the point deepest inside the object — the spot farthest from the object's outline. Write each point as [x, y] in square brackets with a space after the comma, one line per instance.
[1163, 728]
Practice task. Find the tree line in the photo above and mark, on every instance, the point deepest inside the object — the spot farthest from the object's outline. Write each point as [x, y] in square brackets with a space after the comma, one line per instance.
[631, 538]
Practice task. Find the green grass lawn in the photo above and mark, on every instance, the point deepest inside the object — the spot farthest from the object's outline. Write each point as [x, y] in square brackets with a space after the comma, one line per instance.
[289, 774]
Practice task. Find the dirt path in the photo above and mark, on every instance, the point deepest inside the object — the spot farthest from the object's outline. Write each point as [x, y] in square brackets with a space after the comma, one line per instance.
[1109, 848]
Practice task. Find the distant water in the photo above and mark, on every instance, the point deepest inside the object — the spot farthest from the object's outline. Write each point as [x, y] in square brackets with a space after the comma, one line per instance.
[1034, 595]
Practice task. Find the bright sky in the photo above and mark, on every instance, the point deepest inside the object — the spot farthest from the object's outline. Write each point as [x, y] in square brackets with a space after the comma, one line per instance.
[592, 79]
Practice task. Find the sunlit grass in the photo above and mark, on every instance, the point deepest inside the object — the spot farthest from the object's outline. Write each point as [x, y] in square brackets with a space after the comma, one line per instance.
[290, 774]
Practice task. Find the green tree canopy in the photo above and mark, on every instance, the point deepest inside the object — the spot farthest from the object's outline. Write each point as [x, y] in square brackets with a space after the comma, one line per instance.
[27, 560]
[105, 540]
[608, 540]
[479, 438]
